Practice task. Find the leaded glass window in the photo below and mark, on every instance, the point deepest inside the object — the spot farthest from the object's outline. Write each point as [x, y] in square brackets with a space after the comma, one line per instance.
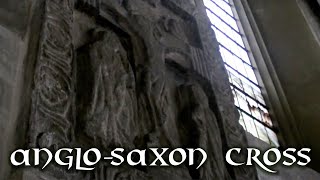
[254, 114]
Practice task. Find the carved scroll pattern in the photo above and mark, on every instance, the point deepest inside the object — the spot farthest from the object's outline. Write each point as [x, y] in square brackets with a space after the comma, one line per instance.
[51, 114]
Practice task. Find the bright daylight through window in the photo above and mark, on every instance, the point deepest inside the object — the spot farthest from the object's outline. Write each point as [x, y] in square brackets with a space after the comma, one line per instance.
[254, 115]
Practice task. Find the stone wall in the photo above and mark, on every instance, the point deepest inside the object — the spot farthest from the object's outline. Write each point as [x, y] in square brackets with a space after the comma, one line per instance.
[13, 49]
[106, 74]
[283, 173]
[294, 54]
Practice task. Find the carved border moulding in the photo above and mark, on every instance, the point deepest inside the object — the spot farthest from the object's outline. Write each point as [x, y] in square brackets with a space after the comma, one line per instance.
[51, 113]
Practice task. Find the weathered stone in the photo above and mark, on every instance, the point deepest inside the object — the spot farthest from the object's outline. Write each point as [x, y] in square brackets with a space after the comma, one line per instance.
[131, 74]
[51, 114]
[10, 52]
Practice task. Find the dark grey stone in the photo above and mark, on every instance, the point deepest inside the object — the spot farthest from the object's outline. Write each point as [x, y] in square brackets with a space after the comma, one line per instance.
[131, 74]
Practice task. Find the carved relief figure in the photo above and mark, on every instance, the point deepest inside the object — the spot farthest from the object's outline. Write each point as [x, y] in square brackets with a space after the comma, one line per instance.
[196, 121]
[106, 91]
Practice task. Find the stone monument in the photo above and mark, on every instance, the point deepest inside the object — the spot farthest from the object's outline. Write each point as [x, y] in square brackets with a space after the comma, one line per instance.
[118, 73]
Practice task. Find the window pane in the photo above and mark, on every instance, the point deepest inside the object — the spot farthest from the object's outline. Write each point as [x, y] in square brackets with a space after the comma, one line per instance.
[249, 123]
[254, 115]
[263, 135]
[225, 16]
[273, 137]
[215, 20]
[231, 45]
[224, 5]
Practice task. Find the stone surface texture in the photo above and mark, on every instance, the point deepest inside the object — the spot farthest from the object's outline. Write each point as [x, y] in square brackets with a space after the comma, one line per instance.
[116, 73]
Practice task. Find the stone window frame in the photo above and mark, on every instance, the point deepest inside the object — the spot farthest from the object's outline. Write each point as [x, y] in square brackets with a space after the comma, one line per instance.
[254, 113]
[313, 20]
[279, 109]
[271, 89]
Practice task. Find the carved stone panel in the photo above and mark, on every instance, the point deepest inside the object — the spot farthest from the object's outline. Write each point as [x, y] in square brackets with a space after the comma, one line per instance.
[118, 75]
[51, 115]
